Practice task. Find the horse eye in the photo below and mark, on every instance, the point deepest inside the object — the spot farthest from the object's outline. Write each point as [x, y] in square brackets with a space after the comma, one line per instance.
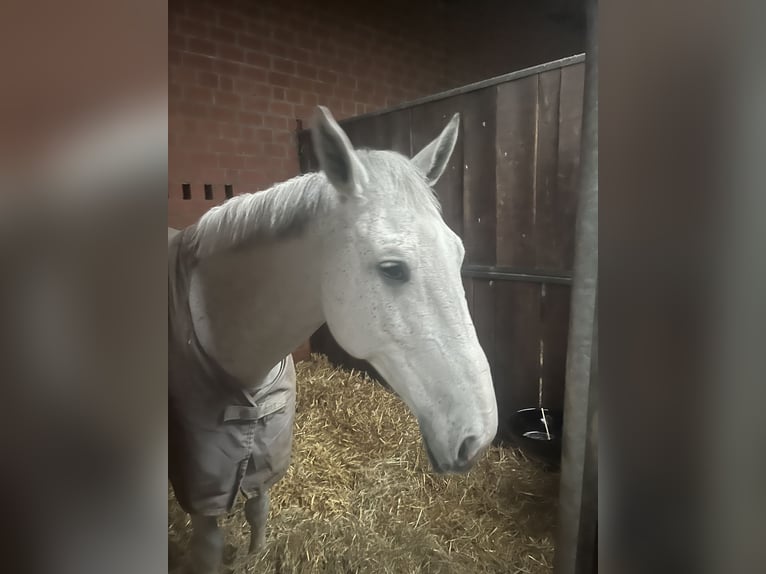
[395, 271]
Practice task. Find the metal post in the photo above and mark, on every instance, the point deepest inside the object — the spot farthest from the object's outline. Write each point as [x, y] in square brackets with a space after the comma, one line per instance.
[578, 506]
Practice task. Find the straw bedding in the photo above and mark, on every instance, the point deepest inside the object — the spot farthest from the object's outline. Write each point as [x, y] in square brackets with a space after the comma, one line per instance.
[359, 496]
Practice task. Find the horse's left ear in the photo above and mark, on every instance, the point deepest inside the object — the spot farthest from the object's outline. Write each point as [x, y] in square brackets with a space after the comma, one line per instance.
[433, 159]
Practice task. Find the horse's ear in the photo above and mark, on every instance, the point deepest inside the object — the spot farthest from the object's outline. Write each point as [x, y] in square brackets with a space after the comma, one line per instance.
[433, 159]
[337, 158]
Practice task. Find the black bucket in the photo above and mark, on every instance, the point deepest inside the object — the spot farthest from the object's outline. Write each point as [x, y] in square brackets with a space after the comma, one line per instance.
[540, 441]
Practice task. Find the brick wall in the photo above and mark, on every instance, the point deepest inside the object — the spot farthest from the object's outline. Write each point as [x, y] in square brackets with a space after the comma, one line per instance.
[241, 73]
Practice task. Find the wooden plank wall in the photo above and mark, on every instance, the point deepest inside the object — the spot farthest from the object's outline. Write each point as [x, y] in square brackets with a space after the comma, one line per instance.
[510, 193]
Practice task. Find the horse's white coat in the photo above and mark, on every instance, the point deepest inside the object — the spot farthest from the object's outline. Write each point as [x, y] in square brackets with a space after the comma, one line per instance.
[322, 239]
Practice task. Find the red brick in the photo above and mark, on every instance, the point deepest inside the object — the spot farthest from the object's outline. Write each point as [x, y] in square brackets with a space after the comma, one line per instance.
[222, 114]
[344, 92]
[283, 137]
[231, 131]
[347, 80]
[304, 113]
[176, 41]
[175, 92]
[212, 174]
[279, 79]
[221, 35]
[293, 96]
[281, 108]
[249, 148]
[203, 159]
[260, 28]
[243, 86]
[274, 150]
[258, 59]
[250, 118]
[175, 58]
[234, 53]
[207, 79]
[327, 76]
[341, 65]
[198, 94]
[197, 61]
[348, 107]
[257, 161]
[218, 145]
[207, 127]
[282, 65]
[228, 68]
[255, 104]
[275, 122]
[275, 62]
[202, 46]
[306, 71]
[251, 179]
[192, 110]
[334, 104]
[309, 99]
[228, 100]
[327, 46]
[231, 162]
[201, 11]
[231, 21]
[264, 135]
[308, 42]
[305, 85]
[192, 27]
[226, 83]
[251, 42]
[254, 74]
[261, 91]
[177, 160]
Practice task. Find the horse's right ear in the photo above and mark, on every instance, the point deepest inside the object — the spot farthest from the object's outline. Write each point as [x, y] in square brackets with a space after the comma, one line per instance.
[337, 158]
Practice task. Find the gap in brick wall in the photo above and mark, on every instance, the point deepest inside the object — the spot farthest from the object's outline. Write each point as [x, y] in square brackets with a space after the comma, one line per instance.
[228, 190]
[208, 191]
[186, 190]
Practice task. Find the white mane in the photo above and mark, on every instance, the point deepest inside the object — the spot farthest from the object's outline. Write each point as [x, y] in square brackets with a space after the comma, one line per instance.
[284, 209]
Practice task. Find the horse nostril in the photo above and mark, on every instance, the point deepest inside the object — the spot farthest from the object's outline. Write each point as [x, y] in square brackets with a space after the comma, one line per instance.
[467, 450]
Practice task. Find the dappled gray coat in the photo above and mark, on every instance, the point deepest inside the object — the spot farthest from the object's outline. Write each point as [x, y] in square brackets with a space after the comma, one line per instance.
[220, 437]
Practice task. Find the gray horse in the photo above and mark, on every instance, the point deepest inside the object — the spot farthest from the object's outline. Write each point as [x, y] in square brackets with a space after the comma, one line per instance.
[362, 246]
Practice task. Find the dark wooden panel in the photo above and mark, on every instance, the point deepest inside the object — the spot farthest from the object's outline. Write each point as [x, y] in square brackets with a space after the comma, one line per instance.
[483, 314]
[555, 314]
[468, 287]
[358, 132]
[385, 132]
[479, 214]
[427, 123]
[518, 332]
[394, 132]
[547, 203]
[515, 153]
[568, 164]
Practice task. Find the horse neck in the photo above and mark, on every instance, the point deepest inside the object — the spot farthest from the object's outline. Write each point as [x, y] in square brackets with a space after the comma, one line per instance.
[252, 307]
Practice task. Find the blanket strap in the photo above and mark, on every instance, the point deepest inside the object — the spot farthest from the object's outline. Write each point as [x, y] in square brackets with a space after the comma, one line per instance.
[272, 404]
